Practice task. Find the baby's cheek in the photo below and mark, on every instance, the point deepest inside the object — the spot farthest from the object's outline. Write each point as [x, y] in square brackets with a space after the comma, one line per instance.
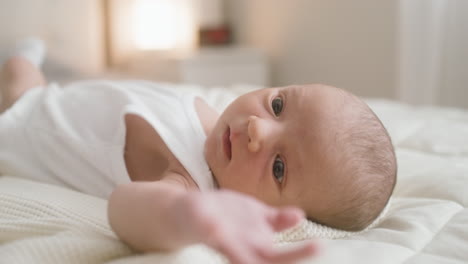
[241, 181]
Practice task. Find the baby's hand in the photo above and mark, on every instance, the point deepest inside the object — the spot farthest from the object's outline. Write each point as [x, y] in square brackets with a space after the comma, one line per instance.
[240, 227]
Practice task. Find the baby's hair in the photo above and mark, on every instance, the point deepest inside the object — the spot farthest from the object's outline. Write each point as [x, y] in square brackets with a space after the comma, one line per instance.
[368, 166]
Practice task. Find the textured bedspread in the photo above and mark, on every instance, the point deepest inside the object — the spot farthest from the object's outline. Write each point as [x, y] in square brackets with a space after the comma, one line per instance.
[427, 221]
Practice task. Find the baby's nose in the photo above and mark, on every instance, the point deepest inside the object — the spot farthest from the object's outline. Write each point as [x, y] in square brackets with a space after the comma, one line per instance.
[256, 133]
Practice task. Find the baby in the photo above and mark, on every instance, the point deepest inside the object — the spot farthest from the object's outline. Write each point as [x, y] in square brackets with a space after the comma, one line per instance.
[272, 156]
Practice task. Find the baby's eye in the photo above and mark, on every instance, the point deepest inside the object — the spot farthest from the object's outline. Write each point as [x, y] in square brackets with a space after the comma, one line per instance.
[278, 169]
[277, 105]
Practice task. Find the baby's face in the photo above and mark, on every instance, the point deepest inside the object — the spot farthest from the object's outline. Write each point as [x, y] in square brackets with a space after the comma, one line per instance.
[271, 143]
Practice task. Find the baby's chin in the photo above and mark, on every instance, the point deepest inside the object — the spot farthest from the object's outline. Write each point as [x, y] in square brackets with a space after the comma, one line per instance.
[208, 152]
[215, 180]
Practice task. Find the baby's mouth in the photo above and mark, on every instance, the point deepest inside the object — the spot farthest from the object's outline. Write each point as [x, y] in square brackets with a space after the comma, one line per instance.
[227, 143]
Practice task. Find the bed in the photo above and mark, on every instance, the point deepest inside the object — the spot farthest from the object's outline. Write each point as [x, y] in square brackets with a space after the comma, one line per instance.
[426, 221]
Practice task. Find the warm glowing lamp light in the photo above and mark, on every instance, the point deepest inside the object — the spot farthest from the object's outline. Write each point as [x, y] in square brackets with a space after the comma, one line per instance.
[162, 24]
[154, 24]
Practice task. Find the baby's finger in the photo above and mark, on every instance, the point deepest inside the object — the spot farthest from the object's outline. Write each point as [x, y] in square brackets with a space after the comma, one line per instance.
[284, 218]
[289, 255]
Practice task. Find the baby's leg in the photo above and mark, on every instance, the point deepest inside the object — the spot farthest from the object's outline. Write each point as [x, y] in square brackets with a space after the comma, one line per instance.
[17, 76]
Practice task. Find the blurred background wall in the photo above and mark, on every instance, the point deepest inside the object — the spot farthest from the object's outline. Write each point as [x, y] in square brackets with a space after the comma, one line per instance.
[72, 29]
[349, 44]
[414, 51]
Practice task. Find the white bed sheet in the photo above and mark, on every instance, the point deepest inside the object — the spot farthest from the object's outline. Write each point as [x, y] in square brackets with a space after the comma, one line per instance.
[426, 222]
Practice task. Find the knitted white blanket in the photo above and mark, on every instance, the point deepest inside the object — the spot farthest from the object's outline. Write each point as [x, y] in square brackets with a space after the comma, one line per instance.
[41, 223]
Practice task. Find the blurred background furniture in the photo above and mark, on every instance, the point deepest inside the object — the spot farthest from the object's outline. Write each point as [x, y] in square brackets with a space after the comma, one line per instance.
[209, 66]
[413, 51]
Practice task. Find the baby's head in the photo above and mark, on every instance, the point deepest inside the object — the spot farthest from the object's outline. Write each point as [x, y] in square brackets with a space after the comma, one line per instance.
[314, 146]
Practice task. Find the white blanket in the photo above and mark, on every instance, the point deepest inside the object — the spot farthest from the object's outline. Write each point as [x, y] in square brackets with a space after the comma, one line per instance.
[426, 222]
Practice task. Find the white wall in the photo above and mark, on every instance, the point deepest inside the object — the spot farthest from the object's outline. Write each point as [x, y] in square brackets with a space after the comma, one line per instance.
[71, 29]
[349, 44]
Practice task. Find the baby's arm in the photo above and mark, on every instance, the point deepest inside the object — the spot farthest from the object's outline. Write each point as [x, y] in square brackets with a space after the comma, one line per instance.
[142, 214]
[165, 216]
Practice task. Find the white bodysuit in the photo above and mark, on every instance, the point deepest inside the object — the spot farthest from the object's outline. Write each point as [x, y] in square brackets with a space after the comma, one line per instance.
[74, 136]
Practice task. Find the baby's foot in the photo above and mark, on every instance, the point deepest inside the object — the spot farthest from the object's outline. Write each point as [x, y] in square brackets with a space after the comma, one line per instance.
[17, 76]
[21, 71]
[32, 49]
